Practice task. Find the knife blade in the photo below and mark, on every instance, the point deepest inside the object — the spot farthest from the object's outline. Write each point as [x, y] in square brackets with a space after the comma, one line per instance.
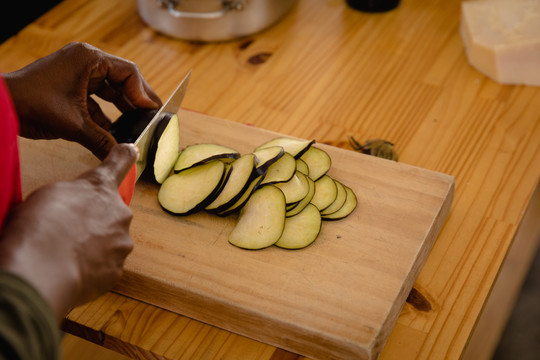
[169, 108]
[143, 141]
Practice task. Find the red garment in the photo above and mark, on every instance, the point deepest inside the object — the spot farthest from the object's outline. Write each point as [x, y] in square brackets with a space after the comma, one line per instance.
[10, 175]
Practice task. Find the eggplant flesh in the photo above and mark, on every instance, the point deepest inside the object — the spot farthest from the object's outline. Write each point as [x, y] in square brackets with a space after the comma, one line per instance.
[295, 189]
[295, 147]
[302, 167]
[200, 153]
[318, 162]
[347, 208]
[281, 171]
[305, 201]
[191, 190]
[341, 197]
[165, 147]
[281, 199]
[242, 172]
[325, 192]
[268, 156]
[261, 220]
[242, 199]
[302, 229]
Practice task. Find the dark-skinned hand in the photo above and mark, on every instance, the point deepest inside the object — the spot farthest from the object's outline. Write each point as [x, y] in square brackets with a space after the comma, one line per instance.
[53, 100]
[69, 239]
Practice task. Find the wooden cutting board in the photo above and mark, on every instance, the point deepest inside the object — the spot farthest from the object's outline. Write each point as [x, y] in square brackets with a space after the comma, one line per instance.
[336, 299]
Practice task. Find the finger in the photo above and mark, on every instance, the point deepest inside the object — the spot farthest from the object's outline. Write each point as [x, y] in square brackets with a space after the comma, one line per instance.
[139, 93]
[127, 76]
[115, 96]
[98, 115]
[151, 93]
[118, 163]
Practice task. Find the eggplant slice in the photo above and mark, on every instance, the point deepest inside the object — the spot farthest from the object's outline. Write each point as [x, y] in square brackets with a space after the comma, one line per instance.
[295, 147]
[281, 171]
[244, 197]
[267, 156]
[261, 220]
[167, 140]
[305, 201]
[318, 162]
[341, 197]
[242, 172]
[325, 192]
[302, 229]
[346, 209]
[198, 154]
[295, 189]
[302, 167]
[281, 190]
[191, 190]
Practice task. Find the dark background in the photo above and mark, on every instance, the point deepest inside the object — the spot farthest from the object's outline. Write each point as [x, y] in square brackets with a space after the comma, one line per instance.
[521, 338]
[16, 14]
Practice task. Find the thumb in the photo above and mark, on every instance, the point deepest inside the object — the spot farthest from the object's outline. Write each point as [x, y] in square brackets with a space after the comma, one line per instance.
[118, 163]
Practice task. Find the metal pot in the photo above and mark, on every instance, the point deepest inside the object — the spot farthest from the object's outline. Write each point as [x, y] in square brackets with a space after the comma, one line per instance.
[212, 20]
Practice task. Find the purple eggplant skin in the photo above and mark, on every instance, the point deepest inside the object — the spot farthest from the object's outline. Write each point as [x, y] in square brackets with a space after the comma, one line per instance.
[128, 127]
[209, 198]
[222, 208]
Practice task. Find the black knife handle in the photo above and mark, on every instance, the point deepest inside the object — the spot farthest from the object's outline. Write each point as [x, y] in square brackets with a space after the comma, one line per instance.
[373, 5]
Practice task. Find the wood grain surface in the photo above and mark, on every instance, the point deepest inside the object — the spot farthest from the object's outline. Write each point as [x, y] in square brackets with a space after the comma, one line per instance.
[327, 72]
[337, 298]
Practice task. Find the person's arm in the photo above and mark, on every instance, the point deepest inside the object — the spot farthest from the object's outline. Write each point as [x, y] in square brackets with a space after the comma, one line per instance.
[52, 95]
[69, 239]
[28, 327]
[62, 247]
[66, 243]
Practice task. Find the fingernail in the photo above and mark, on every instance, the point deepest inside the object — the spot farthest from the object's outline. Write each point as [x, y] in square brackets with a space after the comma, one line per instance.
[136, 150]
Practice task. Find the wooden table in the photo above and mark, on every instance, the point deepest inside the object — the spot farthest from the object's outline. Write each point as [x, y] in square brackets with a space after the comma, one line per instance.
[327, 72]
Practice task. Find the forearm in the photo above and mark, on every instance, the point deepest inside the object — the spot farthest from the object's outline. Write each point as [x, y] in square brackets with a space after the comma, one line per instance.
[26, 246]
[68, 251]
[28, 327]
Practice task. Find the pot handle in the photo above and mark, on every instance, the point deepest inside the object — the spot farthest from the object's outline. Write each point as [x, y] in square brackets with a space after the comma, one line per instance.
[228, 5]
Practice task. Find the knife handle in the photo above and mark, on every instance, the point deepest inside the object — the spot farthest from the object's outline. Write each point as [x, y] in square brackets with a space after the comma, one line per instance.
[127, 187]
[373, 6]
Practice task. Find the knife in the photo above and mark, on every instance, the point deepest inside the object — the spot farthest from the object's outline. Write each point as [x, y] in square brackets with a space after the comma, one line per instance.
[143, 141]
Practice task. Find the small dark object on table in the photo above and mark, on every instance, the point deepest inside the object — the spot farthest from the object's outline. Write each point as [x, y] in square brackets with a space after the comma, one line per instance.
[375, 147]
[373, 5]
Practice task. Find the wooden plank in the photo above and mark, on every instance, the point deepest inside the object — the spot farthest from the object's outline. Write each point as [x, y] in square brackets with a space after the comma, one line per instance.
[73, 347]
[400, 76]
[138, 330]
[505, 291]
[338, 298]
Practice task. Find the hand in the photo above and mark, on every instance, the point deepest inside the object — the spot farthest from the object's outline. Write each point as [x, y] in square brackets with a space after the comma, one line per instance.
[70, 239]
[52, 95]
